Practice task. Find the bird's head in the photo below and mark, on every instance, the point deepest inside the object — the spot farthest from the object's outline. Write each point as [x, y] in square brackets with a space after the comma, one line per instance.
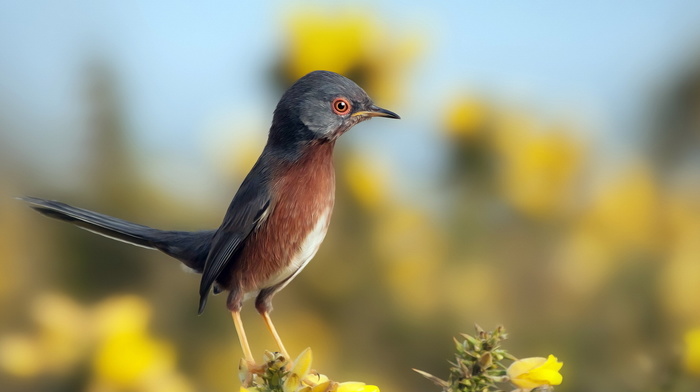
[323, 105]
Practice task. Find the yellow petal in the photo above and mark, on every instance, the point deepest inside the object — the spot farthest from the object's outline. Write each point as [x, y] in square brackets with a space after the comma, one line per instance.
[292, 383]
[353, 386]
[322, 386]
[546, 376]
[315, 379]
[302, 365]
[533, 372]
[350, 386]
[524, 365]
[691, 358]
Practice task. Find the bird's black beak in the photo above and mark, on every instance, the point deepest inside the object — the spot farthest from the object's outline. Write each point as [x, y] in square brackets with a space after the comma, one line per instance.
[376, 111]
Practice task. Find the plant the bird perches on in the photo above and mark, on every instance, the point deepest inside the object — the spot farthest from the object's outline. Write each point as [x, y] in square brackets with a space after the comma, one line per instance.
[276, 374]
[478, 367]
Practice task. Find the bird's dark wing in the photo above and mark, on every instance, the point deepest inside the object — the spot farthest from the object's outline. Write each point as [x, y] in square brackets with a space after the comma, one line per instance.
[247, 210]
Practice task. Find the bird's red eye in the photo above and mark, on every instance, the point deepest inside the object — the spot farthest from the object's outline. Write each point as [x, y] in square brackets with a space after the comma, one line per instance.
[341, 106]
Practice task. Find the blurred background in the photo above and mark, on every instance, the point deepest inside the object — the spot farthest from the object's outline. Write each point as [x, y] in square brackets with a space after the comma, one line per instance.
[545, 176]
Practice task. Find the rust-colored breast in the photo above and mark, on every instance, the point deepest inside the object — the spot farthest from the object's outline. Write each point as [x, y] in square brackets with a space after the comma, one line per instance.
[299, 215]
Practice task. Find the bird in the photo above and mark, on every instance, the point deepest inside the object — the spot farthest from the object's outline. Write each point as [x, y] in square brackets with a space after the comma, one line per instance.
[280, 214]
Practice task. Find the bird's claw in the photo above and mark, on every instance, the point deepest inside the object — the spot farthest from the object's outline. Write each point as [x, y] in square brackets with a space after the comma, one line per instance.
[248, 369]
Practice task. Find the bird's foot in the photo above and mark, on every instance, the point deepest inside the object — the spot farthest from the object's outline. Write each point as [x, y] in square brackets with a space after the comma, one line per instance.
[247, 370]
[272, 362]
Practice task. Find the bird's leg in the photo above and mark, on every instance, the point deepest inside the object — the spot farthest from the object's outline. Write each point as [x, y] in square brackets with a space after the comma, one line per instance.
[236, 315]
[271, 327]
[263, 304]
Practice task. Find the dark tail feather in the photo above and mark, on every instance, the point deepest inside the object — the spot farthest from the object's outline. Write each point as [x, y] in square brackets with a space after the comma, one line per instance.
[191, 248]
[98, 223]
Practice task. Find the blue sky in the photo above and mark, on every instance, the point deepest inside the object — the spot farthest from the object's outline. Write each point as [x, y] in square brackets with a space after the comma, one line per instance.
[185, 66]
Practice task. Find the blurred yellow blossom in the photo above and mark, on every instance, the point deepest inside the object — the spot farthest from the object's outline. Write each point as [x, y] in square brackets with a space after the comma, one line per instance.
[529, 373]
[121, 315]
[128, 360]
[681, 209]
[127, 356]
[113, 335]
[625, 213]
[680, 277]
[333, 42]
[20, 356]
[691, 357]
[63, 325]
[351, 43]
[538, 167]
[465, 117]
[61, 341]
[411, 246]
[167, 382]
[585, 263]
[368, 179]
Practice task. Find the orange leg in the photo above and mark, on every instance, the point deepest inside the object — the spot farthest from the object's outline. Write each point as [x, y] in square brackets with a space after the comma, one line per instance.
[275, 335]
[241, 337]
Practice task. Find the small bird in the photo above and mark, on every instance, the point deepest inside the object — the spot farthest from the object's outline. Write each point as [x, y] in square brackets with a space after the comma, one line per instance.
[279, 215]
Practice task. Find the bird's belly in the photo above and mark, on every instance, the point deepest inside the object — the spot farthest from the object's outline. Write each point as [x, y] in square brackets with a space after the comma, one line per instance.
[306, 251]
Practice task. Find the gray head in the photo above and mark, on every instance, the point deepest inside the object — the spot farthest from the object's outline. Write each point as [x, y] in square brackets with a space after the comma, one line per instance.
[322, 105]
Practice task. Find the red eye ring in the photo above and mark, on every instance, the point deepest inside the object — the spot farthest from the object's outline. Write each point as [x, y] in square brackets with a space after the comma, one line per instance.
[341, 106]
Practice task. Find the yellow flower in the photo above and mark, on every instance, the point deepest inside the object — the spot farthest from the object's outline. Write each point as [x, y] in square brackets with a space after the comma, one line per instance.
[300, 369]
[314, 37]
[126, 360]
[691, 358]
[121, 315]
[369, 181]
[680, 278]
[302, 365]
[627, 211]
[466, 117]
[64, 330]
[529, 373]
[126, 355]
[411, 247]
[352, 386]
[20, 356]
[538, 167]
[349, 42]
[62, 339]
[114, 336]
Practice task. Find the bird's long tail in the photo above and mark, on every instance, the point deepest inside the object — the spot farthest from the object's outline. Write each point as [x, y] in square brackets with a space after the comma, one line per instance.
[191, 248]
